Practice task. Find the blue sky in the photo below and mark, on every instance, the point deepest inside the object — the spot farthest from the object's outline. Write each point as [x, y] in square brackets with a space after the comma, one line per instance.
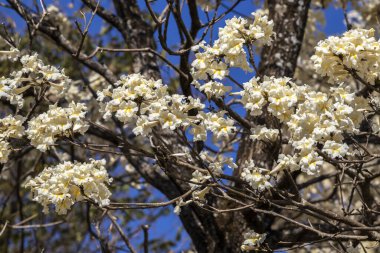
[167, 226]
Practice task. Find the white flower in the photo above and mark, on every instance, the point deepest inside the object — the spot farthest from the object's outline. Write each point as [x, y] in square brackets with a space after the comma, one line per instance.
[356, 50]
[334, 149]
[169, 120]
[286, 162]
[198, 178]
[199, 195]
[147, 104]
[252, 97]
[143, 126]
[221, 127]
[5, 151]
[126, 111]
[44, 129]
[305, 145]
[13, 54]
[279, 93]
[30, 63]
[34, 73]
[11, 127]
[262, 133]
[215, 89]
[311, 163]
[252, 240]
[68, 182]
[228, 50]
[257, 178]
[218, 70]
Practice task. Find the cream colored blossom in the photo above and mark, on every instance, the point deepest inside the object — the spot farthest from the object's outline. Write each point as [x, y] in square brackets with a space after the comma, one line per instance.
[357, 52]
[214, 89]
[252, 241]
[335, 149]
[311, 163]
[5, 151]
[253, 97]
[44, 129]
[257, 178]
[67, 183]
[33, 73]
[222, 127]
[10, 127]
[286, 162]
[146, 103]
[229, 49]
[279, 93]
[262, 133]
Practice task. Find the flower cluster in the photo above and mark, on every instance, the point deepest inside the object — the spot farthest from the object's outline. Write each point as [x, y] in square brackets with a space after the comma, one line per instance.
[355, 54]
[34, 73]
[213, 89]
[252, 240]
[311, 117]
[323, 119]
[10, 127]
[147, 104]
[198, 178]
[228, 50]
[67, 183]
[217, 123]
[262, 133]
[44, 129]
[257, 178]
[58, 18]
[279, 94]
[217, 162]
[286, 162]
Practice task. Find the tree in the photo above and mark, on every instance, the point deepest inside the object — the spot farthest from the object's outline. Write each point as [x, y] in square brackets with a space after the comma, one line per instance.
[263, 134]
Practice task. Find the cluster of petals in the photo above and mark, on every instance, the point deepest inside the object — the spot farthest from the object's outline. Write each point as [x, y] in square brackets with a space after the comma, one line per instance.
[68, 182]
[278, 94]
[44, 129]
[356, 54]
[213, 89]
[59, 18]
[229, 49]
[146, 104]
[323, 119]
[310, 117]
[33, 73]
[252, 241]
[11, 127]
[258, 178]
[263, 133]
[216, 162]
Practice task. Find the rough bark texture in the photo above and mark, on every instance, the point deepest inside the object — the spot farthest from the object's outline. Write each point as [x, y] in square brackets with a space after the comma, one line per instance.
[138, 34]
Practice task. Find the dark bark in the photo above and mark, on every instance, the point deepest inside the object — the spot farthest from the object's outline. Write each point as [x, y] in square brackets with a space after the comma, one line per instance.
[138, 34]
